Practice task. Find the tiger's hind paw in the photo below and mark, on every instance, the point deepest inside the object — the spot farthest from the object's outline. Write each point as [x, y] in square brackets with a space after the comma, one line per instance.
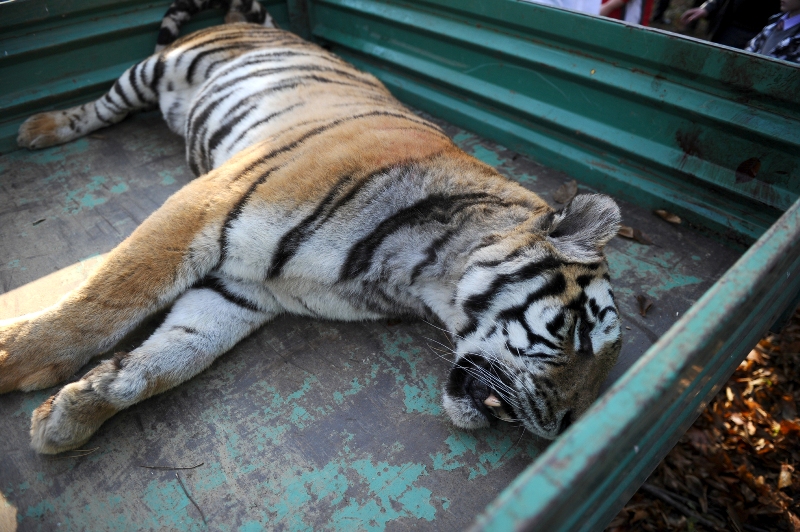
[45, 129]
[68, 419]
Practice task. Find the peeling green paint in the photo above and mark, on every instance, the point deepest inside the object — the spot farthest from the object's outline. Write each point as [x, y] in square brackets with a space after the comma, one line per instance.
[646, 265]
[167, 177]
[15, 264]
[423, 399]
[31, 401]
[90, 195]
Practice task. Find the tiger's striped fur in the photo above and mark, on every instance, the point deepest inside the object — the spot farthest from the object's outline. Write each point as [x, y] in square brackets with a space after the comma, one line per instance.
[319, 194]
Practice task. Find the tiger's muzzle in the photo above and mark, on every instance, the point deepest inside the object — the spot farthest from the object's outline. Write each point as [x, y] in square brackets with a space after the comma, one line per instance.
[473, 395]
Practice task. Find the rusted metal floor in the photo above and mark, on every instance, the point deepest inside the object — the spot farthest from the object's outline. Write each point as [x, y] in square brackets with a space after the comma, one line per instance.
[305, 425]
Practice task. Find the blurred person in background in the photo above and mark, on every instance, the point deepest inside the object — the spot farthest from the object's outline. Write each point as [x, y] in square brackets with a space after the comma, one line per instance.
[635, 11]
[661, 9]
[733, 22]
[781, 36]
[592, 7]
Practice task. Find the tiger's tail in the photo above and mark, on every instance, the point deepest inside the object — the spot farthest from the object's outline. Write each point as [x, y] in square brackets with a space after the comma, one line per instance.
[181, 11]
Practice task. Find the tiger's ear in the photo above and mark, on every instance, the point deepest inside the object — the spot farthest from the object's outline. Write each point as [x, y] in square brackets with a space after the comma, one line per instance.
[583, 227]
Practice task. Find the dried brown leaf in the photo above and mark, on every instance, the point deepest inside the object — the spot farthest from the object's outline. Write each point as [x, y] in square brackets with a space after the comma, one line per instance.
[566, 192]
[668, 216]
[625, 231]
[794, 522]
[640, 514]
[785, 478]
[748, 170]
[788, 427]
[641, 237]
[644, 304]
[634, 234]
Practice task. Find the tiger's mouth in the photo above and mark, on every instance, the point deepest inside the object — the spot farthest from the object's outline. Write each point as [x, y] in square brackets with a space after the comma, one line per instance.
[470, 397]
[496, 406]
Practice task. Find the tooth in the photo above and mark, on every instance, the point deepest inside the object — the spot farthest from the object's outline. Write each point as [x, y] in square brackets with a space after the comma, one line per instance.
[492, 401]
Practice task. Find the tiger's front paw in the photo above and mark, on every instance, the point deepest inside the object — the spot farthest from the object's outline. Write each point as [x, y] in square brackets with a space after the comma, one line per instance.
[26, 359]
[68, 419]
[43, 130]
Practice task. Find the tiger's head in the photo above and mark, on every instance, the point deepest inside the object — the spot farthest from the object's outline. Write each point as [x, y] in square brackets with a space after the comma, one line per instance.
[542, 329]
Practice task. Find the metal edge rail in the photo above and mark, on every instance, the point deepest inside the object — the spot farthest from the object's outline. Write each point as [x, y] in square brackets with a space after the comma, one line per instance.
[587, 475]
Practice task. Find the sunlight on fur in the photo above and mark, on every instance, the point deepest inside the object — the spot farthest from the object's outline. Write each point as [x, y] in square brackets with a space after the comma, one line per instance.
[47, 290]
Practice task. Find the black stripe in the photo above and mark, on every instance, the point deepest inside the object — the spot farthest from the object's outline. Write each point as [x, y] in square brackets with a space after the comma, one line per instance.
[200, 55]
[537, 414]
[117, 89]
[116, 108]
[262, 121]
[477, 304]
[187, 330]
[220, 134]
[100, 116]
[256, 59]
[585, 348]
[316, 131]
[489, 241]
[253, 42]
[602, 314]
[165, 36]
[556, 285]
[239, 206]
[135, 85]
[158, 73]
[212, 283]
[436, 208]
[431, 253]
[291, 241]
[248, 75]
[556, 324]
[197, 125]
[537, 339]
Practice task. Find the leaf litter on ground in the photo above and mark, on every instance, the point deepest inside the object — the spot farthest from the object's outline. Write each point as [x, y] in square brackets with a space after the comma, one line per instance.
[736, 467]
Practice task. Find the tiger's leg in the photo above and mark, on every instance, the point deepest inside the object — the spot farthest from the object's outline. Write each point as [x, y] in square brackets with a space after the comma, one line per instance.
[203, 324]
[168, 253]
[249, 11]
[135, 90]
[182, 11]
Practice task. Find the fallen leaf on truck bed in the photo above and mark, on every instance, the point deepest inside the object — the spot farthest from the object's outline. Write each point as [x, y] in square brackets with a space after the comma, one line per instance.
[668, 216]
[644, 304]
[634, 234]
[566, 192]
[736, 467]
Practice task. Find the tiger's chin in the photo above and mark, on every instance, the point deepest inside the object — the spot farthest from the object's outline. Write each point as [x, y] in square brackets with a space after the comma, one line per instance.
[463, 413]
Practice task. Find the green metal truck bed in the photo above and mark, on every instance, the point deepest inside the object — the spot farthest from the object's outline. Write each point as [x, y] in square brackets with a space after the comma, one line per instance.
[338, 426]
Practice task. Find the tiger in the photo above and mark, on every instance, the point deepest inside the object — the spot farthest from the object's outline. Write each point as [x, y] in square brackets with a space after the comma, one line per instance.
[319, 194]
[181, 11]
